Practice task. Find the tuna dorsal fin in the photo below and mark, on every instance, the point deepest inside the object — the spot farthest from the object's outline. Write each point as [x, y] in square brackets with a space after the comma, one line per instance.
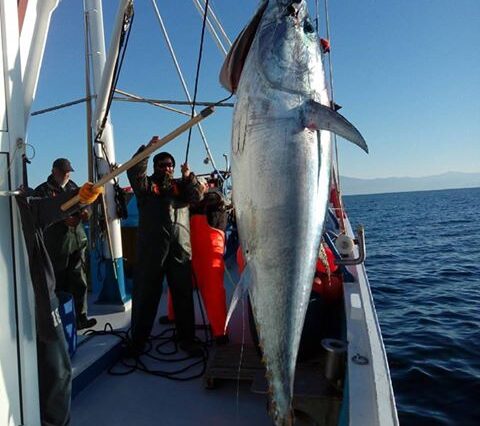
[320, 117]
[238, 293]
[233, 65]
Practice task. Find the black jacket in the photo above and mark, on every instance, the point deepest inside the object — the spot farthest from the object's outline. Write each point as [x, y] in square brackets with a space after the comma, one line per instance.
[163, 210]
[36, 214]
[214, 207]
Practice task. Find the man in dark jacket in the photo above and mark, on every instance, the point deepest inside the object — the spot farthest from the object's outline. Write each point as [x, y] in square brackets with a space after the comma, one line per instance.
[163, 248]
[54, 369]
[66, 242]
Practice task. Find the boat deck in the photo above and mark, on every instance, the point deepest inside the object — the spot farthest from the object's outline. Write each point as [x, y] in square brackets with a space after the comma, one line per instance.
[232, 390]
[141, 399]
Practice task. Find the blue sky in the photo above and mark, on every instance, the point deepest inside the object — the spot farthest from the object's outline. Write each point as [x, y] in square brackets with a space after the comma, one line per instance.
[407, 74]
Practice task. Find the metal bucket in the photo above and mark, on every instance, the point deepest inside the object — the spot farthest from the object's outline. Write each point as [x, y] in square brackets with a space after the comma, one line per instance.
[336, 351]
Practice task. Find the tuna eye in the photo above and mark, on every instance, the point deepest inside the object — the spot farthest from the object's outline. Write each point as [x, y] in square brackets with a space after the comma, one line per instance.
[308, 27]
[292, 10]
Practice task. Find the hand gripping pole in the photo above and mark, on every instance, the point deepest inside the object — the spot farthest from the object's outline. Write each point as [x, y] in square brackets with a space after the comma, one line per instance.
[145, 153]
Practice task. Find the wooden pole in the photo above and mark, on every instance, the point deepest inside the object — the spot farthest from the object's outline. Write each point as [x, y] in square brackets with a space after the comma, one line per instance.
[145, 153]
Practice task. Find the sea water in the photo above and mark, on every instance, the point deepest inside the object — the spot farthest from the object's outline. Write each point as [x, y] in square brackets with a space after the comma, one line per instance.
[423, 263]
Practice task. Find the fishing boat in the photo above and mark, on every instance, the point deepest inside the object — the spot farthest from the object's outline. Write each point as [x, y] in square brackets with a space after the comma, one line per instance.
[342, 375]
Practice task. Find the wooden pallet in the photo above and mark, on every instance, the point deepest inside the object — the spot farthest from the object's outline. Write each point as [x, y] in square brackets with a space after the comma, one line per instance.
[224, 364]
[315, 400]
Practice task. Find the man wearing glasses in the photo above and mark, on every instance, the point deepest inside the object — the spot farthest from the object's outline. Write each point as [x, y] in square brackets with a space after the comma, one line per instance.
[163, 248]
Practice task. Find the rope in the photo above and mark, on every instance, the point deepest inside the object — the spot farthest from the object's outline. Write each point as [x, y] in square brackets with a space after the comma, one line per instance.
[219, 24]
[197, 76]
[155, 102]
[157, 352]
[123, 42]
[135, 98]
[132, 97]
[210, 26]
[88, 111]
[60, 106]
[182, 80]
[330, 62]
[327, 24]
[122, 48]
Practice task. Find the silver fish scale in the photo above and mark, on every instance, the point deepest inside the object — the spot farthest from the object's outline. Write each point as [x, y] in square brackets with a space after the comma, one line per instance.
[281, 178]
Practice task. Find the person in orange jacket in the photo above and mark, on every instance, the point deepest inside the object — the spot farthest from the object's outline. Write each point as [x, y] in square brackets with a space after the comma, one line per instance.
[207, 236]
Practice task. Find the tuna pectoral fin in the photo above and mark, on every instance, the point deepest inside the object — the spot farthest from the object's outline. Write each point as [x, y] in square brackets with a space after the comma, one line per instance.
[320, 117]
[239, 292]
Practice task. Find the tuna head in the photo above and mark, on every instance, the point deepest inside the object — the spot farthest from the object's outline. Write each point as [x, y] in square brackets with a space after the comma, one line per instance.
[279, 42]
[288, 52]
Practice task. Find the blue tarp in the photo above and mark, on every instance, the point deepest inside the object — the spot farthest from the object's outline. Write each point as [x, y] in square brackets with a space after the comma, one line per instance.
[132, 220]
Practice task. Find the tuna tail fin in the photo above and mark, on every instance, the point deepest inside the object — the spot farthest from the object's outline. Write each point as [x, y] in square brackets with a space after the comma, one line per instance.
[320, 117]
[239, 292]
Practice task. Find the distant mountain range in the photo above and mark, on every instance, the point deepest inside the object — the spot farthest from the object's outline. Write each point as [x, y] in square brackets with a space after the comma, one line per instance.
[449, 180]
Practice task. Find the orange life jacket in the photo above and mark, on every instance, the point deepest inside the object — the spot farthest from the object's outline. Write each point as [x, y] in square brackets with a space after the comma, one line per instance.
[208, 245]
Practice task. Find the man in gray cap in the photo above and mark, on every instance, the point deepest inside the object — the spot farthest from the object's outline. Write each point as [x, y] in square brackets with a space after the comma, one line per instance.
[66, 242]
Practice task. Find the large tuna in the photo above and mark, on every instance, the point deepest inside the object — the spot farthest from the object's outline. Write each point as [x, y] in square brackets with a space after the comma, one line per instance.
[281, 166]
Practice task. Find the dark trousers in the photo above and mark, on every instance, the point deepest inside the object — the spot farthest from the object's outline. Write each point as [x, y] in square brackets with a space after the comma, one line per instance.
[73, 280]
[54, 379]
[154, 263]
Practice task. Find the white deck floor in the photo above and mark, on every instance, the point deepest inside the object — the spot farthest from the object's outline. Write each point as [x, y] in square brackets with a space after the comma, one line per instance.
[144, 400]
[141, 400]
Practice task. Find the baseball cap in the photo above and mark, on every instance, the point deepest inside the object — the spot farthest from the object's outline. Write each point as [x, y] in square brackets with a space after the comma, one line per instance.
[63, 164]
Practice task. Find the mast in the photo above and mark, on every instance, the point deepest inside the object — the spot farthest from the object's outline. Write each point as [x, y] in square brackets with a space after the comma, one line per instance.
[103, 66]
[23, 33]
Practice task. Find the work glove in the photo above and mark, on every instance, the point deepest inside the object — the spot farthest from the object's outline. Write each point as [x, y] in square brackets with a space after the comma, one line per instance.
[88, 194]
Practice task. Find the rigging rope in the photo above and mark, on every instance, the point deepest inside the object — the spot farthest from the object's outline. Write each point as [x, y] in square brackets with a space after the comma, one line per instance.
[132, 97]
[155, 102]
[327, 25]
[332, 95]
[123, 42]
[60, 106]
[88, 95]
[219, 24]
[93, 219]
[210, 26]
[119, 202]
[197, 76]
[122, 48]
[129, 97]
[330, 62]
[182, 80]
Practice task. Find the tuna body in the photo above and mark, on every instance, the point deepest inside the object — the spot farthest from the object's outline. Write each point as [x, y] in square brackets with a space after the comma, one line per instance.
[281, 177]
